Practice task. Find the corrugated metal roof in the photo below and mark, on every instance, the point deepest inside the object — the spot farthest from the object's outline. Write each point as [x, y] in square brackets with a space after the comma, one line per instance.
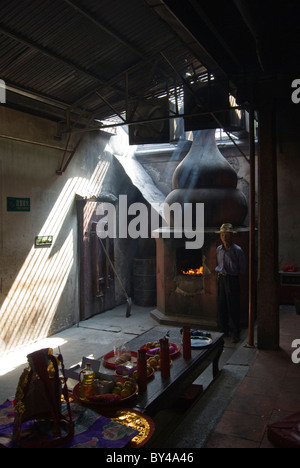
[93, 57]
[64, 50]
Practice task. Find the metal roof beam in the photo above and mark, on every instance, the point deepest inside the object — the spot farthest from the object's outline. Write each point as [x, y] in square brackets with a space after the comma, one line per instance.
[32, 45]
[105, 28]
[186, 36]
[214, 30]
[247, 16]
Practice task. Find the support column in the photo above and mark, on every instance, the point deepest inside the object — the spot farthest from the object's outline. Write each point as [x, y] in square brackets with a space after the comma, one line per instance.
[268, 276]
[252, 254]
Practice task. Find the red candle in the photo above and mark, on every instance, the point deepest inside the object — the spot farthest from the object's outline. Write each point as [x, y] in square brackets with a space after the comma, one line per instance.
[142, 369]
[164, 357]
[186, 343]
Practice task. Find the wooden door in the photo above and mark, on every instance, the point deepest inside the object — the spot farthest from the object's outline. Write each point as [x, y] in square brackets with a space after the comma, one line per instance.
[97, 291]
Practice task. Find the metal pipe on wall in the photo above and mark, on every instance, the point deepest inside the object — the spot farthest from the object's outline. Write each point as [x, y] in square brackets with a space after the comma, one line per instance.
[32, 142]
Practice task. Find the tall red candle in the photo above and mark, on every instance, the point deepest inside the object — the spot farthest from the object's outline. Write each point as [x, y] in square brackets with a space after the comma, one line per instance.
[164, 357]
[186, 343]
[142, 370]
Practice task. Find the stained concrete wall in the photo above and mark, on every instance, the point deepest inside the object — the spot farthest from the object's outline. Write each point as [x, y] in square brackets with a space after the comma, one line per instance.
[288, 168]
[39, 286]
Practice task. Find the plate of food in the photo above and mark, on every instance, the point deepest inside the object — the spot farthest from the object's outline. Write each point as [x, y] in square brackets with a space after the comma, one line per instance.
[153, 348]
[126, 370]
[154, 362]
[110, 360]
[114, 390]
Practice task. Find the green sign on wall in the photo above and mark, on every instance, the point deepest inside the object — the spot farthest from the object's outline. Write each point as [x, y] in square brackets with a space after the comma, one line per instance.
[18, 204]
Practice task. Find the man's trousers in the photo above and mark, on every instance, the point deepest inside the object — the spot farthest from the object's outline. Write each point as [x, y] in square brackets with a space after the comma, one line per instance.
[228, 289]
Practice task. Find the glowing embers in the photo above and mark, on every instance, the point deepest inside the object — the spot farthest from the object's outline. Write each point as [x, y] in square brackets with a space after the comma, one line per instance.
[193, 271]
[189, 279]
[189, 262]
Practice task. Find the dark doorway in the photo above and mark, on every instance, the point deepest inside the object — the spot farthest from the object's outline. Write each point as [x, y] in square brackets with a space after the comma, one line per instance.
[97, 290]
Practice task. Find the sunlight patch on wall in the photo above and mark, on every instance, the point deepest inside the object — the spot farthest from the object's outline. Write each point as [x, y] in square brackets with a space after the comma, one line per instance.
[31, 303]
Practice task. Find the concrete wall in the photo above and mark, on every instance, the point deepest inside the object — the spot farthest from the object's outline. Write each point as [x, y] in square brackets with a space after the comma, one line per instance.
[288, 166]
[39, 286]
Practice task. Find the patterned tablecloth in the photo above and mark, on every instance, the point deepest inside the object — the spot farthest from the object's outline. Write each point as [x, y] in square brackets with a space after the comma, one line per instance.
[92, 430]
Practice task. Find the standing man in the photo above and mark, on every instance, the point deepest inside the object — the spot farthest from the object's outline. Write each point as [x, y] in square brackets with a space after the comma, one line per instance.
[231, 262]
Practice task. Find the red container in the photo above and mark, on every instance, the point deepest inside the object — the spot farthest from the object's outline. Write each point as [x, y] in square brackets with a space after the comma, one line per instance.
[142, 370]
[164, 358]
[186, 343]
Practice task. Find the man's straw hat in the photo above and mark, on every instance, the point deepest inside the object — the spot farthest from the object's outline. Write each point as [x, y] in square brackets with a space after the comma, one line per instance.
[227, 227]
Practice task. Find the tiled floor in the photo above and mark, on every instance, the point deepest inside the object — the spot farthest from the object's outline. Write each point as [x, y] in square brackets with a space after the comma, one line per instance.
[268, 393]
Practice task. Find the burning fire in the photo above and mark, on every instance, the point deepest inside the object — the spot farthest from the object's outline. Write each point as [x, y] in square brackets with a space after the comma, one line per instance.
[193, 272]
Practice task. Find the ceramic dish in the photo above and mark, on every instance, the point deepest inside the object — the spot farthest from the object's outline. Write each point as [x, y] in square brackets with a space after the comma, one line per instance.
[200, 341]
[109, 360]
[174, 350]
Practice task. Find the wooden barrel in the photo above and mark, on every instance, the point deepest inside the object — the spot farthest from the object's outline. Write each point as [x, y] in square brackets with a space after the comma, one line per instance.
[144, 281]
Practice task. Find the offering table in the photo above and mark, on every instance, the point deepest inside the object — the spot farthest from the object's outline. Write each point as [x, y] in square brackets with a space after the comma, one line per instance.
[162, 392]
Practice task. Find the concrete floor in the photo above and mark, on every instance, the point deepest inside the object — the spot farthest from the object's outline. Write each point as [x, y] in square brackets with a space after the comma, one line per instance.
[94, 337]
[196, 427]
